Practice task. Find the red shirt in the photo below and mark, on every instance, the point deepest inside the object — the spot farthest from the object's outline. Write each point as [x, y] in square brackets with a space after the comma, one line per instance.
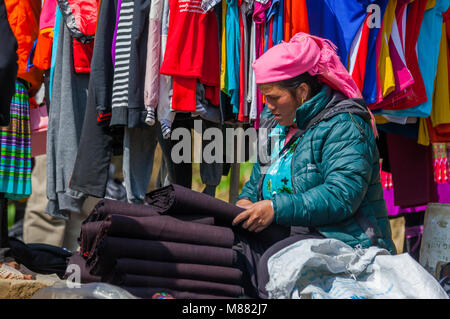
[192, 53]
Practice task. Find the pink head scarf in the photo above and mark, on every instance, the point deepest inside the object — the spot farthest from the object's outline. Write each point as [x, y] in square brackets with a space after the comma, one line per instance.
[305, 53]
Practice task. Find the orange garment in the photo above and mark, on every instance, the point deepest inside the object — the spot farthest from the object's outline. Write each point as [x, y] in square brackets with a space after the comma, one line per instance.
[43, 53]
[23, 17]
[296, 18]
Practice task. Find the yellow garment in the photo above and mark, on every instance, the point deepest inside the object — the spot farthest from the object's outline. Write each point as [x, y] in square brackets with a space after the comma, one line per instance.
[430, 4]
[385, 63]
[423, 138]
[380, 119]
[223, 64]
[440, 111]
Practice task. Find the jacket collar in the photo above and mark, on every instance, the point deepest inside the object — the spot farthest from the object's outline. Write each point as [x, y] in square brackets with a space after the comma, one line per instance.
[308, 110]
[329, 103]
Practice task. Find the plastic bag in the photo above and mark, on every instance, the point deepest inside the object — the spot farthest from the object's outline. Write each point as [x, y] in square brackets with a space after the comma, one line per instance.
[96, 290]
[330, 269]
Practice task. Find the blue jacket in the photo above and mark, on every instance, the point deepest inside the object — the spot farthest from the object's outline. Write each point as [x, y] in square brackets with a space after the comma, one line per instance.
[335, 176]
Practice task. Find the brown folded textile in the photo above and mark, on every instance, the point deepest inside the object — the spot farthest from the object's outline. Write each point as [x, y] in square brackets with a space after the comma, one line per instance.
[206, 220]
[166, 228]
[107, 207]
[107, 250]
[175, 199]
[196, 286]
[79, 261]
[149, 292]
[88, 233]
[226, 275]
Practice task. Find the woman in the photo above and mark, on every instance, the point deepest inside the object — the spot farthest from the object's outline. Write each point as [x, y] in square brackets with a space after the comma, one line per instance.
[324, 173]
[322, 181]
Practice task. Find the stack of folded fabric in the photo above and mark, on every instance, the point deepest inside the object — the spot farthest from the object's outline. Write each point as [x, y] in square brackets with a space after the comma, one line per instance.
[181, 242]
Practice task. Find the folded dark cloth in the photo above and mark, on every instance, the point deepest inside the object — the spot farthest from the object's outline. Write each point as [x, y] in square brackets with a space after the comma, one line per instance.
[40, 258]
[200, 219]
[140, 267]
[88, 233]
[166, 228]
[80, 262]
[107, 207]
[152, 292]
[176, 199]
[196, 286]
[107, 250]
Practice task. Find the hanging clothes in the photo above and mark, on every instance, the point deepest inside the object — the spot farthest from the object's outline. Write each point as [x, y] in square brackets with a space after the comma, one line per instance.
[151, 93]
[272, 14]
[122, 55]
[412, 172]
[233, 42]
[440, 112]
[15, 146]
[165, 115]
[65, 123]
[385, 69]
[337, 21]
[83, 17]
[8, 70]
[193, 54]
[98, 141]
[370, 79]
[56, 31]
[428, 45]
[402, 76]
[259, 17]
[358, 55]
[114, 41]
[416, 93]
[295, 18]
[43, 53]
[23, 18]
[223, 53]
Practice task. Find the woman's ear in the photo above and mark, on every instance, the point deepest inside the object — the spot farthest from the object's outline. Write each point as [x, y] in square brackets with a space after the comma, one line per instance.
[302, 93]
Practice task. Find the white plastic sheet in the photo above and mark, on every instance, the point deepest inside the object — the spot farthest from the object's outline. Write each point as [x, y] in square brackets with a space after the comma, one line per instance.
[330, 269]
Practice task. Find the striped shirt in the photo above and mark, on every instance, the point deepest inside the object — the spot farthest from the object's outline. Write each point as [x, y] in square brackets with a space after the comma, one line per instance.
[122, 55]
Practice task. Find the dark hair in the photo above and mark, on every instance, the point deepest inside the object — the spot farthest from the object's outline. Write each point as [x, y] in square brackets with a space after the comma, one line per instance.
[293, 83]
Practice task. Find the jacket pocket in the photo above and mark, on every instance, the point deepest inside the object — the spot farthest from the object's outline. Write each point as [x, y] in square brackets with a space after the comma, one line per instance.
[313, 178]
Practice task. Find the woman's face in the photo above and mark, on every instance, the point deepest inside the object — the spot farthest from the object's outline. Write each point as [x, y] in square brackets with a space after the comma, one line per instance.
[281, 102]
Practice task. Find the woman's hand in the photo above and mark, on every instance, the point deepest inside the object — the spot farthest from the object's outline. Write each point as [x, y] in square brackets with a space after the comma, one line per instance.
[257, 217]
[244, 203]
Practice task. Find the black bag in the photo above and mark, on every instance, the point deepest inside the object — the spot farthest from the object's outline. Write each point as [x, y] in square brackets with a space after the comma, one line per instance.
[40, 258]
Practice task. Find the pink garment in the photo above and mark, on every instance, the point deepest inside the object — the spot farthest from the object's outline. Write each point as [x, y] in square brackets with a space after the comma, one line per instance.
[402, 75]
[443, 191]
[259, 16]
[38, 127]
[151, 89]
[291, 133]
[305, 53]
[48, 12]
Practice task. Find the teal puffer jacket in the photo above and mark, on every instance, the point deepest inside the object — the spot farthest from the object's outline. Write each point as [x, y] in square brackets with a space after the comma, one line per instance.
[335, 176]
